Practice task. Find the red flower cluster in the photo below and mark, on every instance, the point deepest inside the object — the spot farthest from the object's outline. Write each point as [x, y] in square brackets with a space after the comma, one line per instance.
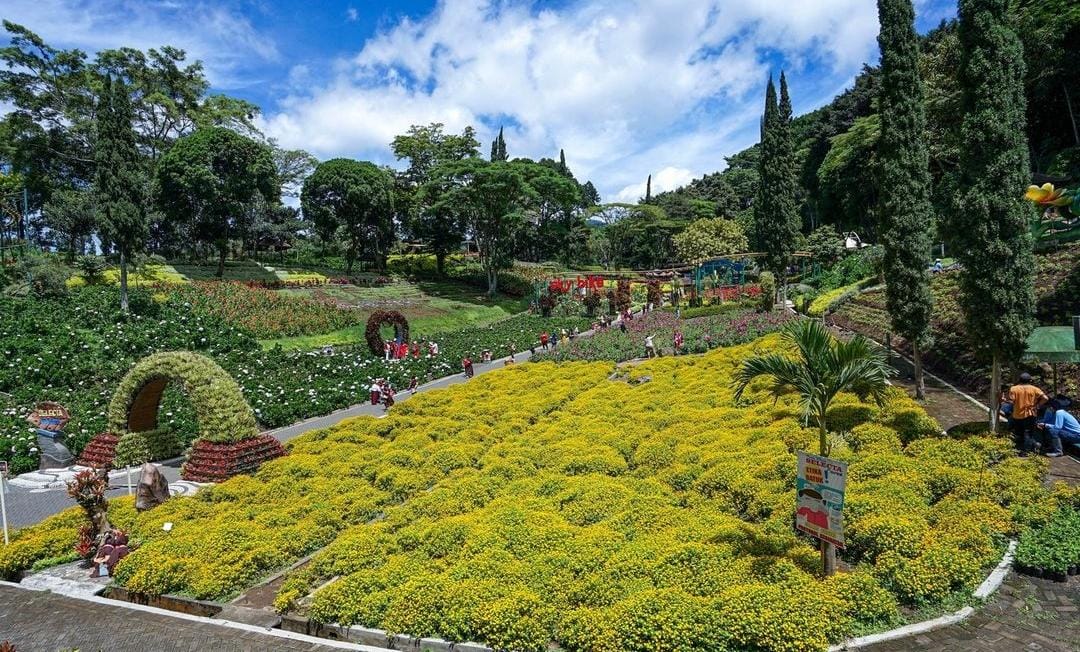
[734, 292]
[212, 462]
[100, 451]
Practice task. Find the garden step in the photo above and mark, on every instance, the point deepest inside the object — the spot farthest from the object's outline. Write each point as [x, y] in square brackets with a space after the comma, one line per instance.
[249, 616]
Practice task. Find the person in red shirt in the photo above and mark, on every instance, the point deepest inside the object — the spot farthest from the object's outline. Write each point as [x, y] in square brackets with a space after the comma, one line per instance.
[415, 350]
[544, 340]
[466, 364]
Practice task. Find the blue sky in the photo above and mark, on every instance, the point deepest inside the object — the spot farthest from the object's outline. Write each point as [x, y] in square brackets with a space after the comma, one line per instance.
[661, 87]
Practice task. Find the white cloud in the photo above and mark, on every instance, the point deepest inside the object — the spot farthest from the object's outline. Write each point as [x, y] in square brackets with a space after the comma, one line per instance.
[626, 88]
[669, 178]
[352, 15]
[222, 38]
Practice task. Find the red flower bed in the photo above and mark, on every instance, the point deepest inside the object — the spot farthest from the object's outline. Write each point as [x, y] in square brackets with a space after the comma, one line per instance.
[100, 451]
[211, 462]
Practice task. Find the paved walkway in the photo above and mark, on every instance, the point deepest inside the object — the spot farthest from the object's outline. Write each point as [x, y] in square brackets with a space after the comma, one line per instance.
[1025, 614]
[40, 621]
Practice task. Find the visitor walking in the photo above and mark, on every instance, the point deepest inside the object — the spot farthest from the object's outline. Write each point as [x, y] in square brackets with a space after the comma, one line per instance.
[544, 340]
[513, 350]
[677, 340]
[650, 347]
[1059, 426]
[466, 364]
[1026, 401]
[376, 392]
[388, 396]
[386, 351]
[413, 383]
[415, 350]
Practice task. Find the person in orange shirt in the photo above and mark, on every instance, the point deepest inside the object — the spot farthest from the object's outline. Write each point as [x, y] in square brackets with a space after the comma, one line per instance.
[1026, 400]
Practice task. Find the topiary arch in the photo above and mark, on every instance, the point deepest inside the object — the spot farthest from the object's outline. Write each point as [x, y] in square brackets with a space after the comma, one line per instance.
[374, 323]
[223, 413]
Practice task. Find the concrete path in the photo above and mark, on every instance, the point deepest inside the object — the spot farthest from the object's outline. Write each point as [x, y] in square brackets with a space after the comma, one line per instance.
[41, 621]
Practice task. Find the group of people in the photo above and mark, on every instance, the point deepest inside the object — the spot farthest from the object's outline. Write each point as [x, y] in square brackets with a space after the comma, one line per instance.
[399, 350]
[383, 392]
[676, 343]
[1036, 419]
[552, 340]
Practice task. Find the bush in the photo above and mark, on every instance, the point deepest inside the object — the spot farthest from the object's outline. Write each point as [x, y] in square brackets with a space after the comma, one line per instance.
[135, 448]
[767, 298]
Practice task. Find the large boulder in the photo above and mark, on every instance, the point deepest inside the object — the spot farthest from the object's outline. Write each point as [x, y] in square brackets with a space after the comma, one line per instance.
[153, 488]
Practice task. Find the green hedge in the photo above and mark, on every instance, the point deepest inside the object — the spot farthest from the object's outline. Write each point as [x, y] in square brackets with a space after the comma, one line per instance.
[135, 448]
[222, 413]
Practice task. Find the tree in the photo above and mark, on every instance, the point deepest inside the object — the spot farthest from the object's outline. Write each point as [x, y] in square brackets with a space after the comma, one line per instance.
[70, 213]
[498, 148]
[419, 187]
[990, 224]
[292, 166]
[823, 368]
[553, 212]
[776, 217]
[648, 191]
[211, 180]
[590, 196]
[118, 183]
[710, 238]
[825, 246]
[355, 198]
[491, 197]
[905, 211]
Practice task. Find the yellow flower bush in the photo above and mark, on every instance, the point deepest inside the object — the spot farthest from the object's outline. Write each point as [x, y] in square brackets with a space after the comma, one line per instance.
[600, 509]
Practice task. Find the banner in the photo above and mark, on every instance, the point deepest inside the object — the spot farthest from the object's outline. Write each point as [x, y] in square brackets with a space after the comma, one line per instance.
[820, 486]
[49, 416]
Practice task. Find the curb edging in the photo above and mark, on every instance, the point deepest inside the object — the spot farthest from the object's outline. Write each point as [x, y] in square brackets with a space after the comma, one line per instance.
[984, 591]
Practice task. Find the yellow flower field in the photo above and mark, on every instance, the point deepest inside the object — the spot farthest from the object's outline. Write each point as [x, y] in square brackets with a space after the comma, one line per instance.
[603, 509]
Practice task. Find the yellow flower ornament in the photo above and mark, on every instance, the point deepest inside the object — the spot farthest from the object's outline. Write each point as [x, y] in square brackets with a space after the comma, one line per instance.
[1047, 195]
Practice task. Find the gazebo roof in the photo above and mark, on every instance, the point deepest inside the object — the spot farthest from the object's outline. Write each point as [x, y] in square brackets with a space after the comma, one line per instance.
[1052, 344]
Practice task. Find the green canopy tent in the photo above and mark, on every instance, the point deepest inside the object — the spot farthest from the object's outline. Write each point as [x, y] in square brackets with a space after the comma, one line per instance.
[1054, 344]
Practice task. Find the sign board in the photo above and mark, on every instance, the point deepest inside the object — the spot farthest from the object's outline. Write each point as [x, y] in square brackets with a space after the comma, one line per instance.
[49, 416]
[820, 487]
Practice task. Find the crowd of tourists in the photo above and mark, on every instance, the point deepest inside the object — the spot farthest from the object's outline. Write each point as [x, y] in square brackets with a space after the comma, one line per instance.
[1038, 422]
[400, 350]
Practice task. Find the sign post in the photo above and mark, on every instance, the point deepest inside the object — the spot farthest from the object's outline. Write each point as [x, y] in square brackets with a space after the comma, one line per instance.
[820, 486]
[3, 504]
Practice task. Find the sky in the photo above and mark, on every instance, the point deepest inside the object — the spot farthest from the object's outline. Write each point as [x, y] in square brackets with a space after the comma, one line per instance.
[627, 88]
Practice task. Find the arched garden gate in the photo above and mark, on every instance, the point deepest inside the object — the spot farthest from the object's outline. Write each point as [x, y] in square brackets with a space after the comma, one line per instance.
[229, 442]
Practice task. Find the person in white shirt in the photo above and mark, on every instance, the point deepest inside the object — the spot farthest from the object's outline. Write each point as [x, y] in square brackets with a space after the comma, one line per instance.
[376, 392]
[650, 348]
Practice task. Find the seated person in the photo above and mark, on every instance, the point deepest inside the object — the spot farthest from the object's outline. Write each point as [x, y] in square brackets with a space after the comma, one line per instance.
[1058, 426]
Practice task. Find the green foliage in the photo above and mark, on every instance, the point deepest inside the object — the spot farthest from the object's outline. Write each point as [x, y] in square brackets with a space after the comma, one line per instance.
[828, 301]
[355, 199]
[223, 414]
[990, 226]
[40, 276]
[212, 180]
[135, 448]
[853, 267]
[776, 220]
[825, 245]
[710, 238]
[767, 298]
[1053, 546]
[903, 156]
[848, 173]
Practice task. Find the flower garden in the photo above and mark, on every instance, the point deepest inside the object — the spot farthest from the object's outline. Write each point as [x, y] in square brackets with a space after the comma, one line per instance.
[598, 508]
[75, 349]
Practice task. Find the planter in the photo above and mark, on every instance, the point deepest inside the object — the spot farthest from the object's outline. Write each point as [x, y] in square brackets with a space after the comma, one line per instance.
[100, 451]
[212, 462]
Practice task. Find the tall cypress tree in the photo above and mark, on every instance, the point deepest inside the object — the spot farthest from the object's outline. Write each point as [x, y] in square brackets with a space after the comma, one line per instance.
[904, 187]
[562, 162]
[776, 217]
[648, 190]
[989, 226]
[498, 148]
[118, 183]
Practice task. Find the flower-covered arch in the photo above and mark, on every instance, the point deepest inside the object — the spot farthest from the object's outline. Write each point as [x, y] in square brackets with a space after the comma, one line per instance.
[223, 413]
[374, 338]
[229, 442]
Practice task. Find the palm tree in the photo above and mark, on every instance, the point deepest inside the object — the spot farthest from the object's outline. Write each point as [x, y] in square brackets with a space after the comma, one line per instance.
[824, 368]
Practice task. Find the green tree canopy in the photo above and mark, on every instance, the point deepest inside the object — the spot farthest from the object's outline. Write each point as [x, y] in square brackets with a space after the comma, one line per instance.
[711, 238]
[211, 180]
[355, 199]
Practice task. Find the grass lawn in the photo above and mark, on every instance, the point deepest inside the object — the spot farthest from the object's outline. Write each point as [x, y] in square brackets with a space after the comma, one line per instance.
[430, 307]
[248, 270]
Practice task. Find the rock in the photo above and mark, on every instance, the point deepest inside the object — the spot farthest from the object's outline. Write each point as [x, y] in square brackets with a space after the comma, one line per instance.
[153, 488]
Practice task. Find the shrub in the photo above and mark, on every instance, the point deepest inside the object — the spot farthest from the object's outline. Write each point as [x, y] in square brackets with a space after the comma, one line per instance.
[767, 298]
[135, 448]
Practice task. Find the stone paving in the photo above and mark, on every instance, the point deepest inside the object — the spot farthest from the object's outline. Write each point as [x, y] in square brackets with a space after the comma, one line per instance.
[40, 621]
[1026, 613]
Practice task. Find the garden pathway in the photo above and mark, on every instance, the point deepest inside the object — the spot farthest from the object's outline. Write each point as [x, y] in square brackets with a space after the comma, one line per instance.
[41, 621]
